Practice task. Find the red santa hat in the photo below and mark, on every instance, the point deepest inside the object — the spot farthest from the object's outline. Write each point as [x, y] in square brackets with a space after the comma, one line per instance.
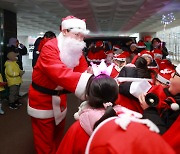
[164, 76]
[133, 45]
[120, 57]
[77, 25]
[157, 53]
[99, 43]
[147, 38]
[110, 52]
[147, 53]
[164, 63]
[117, 47]
[141, 45]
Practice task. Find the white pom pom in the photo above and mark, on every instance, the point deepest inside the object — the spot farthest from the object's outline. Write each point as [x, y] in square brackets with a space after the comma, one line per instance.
[76, 115]
[37, 52]
[175, 106]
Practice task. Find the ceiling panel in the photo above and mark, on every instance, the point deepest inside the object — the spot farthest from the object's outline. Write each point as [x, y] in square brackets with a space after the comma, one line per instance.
[110, 17]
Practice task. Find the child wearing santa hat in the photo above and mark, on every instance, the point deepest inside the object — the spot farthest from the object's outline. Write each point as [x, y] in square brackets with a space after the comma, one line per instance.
[157, 53]
[163, 77]
[119, 62]
[117, 49]
[168, 119]
[109, 57]
[141, 45]
[149, 57]
[96, 53]
[157, 44]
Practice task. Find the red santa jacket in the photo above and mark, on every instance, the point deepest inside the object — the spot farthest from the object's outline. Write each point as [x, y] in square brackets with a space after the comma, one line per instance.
[172, 136]
[129, 103]
[97, 56]
[74, 141]
[115, 71]
[109, 137]
[50, 72]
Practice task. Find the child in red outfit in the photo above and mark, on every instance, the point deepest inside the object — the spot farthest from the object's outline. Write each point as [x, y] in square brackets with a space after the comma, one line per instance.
[2, 84]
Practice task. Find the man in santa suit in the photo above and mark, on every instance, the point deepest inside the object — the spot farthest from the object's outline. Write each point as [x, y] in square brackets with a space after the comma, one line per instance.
[61, 66]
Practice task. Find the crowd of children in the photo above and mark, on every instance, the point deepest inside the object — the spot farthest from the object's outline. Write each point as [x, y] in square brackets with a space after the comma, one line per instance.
[139, 72]
[117, 101]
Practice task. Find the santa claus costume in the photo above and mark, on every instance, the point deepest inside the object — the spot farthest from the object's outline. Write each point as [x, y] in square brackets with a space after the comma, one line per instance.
[170, 115]
[119, 61]
[111, 137]
[59, 67]
[96, 53]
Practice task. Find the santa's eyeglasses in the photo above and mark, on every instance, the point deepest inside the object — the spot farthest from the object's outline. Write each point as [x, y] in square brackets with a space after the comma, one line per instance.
[176, 74]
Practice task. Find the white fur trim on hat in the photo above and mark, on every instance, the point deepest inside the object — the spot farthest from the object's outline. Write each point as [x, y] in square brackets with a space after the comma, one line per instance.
[77, 30]
[157, 55]
[115, 47]
[178, 69]
[148, 55]
[73, 23]
[141, 46]
[162, 79]
[120, 59]
[133, 44]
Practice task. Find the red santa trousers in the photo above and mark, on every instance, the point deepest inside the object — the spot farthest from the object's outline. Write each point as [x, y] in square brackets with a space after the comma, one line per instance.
[49, 139]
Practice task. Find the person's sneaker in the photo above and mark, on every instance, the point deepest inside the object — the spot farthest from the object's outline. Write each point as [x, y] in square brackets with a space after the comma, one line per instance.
[13, 106]
[18, 103]
[1, 111]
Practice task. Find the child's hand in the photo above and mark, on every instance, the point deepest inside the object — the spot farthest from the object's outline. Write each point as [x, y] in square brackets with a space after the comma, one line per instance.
[142, 101]
[21, 73]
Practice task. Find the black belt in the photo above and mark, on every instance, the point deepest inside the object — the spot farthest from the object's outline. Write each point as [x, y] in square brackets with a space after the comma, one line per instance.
[49, 91]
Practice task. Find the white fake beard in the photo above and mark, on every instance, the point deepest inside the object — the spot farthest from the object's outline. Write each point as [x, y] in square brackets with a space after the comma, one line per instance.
[71, 51]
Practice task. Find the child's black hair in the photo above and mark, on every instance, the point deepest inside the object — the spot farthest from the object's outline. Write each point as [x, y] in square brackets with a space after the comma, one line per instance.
[142, 69]
[99, 90]
[110, 112]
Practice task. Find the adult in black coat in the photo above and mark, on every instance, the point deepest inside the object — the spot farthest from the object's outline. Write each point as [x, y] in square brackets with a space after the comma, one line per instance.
[18, 48]
[35, 51]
